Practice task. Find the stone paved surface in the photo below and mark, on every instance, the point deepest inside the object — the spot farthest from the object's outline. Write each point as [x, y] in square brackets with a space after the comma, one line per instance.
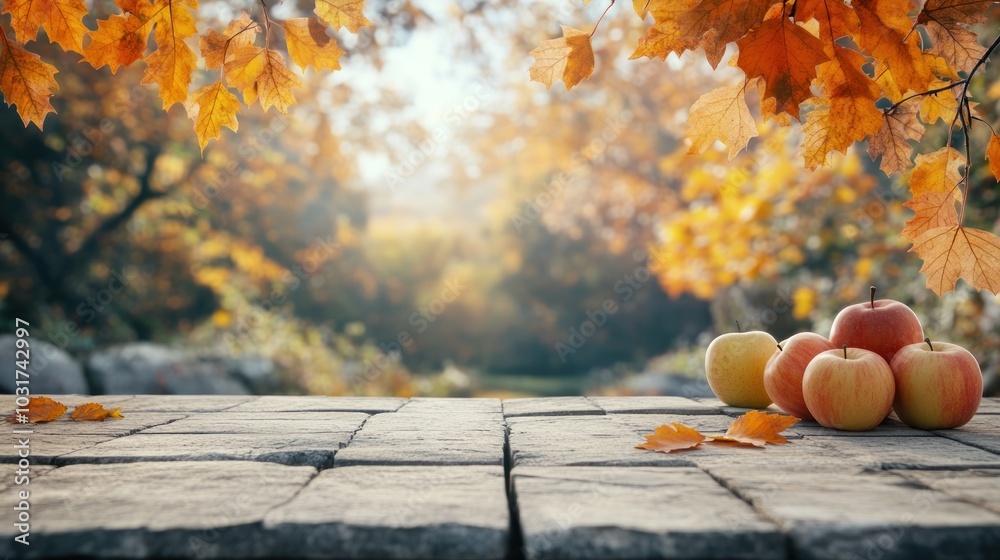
[331, 477]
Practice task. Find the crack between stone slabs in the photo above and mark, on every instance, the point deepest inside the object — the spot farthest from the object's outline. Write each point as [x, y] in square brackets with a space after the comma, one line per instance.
[789, 544]
[945, 436]
[354, 433]
[916, 482]
[250, 400]
[515, 538]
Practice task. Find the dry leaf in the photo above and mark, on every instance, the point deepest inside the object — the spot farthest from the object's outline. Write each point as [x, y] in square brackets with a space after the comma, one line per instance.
[941, 105]
[892, 140]
[343, 13]
[993, 154]
[757, 428]
[40, 409]
[713, 24]
[262, 73]
[672, 437]
[217, 47]
[211, 108]
[954, 252]
[887, 34]
[932, 210]
[836, 20]
[93, 412]
[937, 171]
[570, 58]
[309, 45]
[26, 82]
[665, 35]
[721, 114]
[61, 19]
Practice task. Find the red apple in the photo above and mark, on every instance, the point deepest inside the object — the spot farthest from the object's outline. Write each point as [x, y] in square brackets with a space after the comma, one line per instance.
[882, 326]
[783, 372]
[938, 385]
[848, 389]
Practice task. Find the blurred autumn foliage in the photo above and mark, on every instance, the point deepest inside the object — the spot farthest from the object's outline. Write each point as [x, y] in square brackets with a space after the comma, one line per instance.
[367, 241]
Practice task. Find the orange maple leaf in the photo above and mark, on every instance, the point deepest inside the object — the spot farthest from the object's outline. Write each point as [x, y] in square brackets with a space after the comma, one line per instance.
[713, 24]
[993, 154]
[947, 25]
[757, 428]
[309, 45]
[672, 437]
[26, 81]
[665, 35]
[61, 19]
[937, 171]
[836, 20]
[93, 412]
[887, 34]
[786, 56]
[932, 210]
[570, 58]
[262, 73]
[954, 252]
[343, 13]
[41, 409]
[892, 140]
[216, 48]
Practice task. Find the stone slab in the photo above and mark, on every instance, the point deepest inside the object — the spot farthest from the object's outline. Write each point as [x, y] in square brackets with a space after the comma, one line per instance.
[652, 405]
[369, 405]
[401, 512]
[635, 513]
[181, 403]
[316, 450]
[980, 486]
[221, 423]
[46, 448]
[579, 441]
[888, 427]
[444, 421]
[983, 432]
[734, 410]
[132, 422]
[643, 424]
[910, 452]
[550, 406]
[9, 478]
[191, 509]
[443, 405]
[877, 514]
[989, 406]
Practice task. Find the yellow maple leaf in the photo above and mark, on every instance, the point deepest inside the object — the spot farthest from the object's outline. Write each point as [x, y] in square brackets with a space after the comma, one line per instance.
[570, 58]
[940, 105]
[664, 37]
[211, 108]
[954, 252]
[721, 114]
[61, 19]
[931, 210]
[26, 81]
[937, 171]
[217, 47]
[261, 73]
[171, 64]
[343, 13]
[309, 45]
[118, 42]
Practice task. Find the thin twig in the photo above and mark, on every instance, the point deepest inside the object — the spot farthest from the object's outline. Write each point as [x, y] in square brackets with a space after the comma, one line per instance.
[267, 24]
[599, 20]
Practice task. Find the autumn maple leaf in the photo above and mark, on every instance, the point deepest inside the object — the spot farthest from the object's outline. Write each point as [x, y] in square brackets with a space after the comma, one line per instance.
[569, 58]
[757, 428]
[343, 13]
[954, 252]
[26, 81]
[93, 412]
[713, 24]
[891, 141]
[721, 114]
[665, 35]
[309, 45]
[211, 108]
[672, 437]
[61, 19]
[40, 410]
[993, 155]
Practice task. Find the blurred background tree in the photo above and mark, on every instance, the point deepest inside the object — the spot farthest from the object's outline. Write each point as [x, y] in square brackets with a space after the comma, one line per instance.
[426, 221]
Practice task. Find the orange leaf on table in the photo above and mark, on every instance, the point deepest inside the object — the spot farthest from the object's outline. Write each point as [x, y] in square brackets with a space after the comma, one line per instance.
[61, 19]
[672, 437]
[785, 55]
[26, 81]
[343, 13]
[569, 58]
[93, 412]
[954, 252]
[757, 428]
[41, 409]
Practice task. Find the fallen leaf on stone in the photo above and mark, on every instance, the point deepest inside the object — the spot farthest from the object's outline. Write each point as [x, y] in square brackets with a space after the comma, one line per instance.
[40, 409]
[672, 437]
[93, 412]
[756, 428]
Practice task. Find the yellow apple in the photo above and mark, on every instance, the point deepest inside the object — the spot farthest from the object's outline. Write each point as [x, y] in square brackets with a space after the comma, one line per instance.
[734, 365]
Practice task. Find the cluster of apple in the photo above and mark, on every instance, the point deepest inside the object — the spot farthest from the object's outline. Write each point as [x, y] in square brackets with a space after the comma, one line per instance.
[875, 360]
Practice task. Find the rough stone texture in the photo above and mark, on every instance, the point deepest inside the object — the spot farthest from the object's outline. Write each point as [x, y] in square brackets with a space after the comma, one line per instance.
[910, 453]
[579, 440]
[145, 367]
[652, 405]
[223, 423]
[45, 449]
[733, 410]
[316, 450]
[550, 406]
[396, 512]
[645, 512]
[889, 427]
[982, 432]
[370, 405]
[868, 515]
[179, 403]
[50, 370]
[979, 486]
[133, 422]
[196, 509]
[436, 405]
[8, 475]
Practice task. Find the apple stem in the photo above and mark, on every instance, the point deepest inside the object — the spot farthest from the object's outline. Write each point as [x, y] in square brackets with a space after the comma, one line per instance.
[780, 349]
[845, 351]
[873, 289]
[928, 341]
[738, 329]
